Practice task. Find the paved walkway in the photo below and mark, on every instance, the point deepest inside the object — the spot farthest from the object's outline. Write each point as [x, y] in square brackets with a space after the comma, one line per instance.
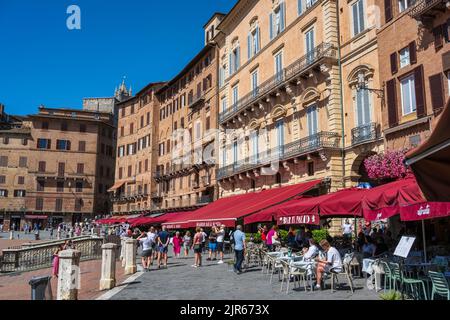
[219, 282]
[16, 287]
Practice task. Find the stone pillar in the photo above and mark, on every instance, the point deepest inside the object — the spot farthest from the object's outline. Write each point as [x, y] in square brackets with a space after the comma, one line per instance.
[108, 279]
[68, 276]
[122, 251]
[130, 256]
[11, 235]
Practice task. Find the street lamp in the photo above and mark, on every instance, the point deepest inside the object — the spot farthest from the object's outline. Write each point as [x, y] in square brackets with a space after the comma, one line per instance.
[362, 85]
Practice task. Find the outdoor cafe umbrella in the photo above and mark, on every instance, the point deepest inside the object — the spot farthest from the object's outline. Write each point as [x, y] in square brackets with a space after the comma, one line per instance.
[430, 162]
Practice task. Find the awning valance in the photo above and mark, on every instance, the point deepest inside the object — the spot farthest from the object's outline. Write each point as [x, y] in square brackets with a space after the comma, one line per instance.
[117, 185]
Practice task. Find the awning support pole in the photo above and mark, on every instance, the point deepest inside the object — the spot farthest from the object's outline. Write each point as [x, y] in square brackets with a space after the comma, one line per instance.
[424, 242]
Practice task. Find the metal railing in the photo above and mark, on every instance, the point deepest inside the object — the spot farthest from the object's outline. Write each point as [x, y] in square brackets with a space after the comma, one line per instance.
[302, 146]
[41, 255]
[422, 7]
[199, 98]
[364, 133]
[324, 50]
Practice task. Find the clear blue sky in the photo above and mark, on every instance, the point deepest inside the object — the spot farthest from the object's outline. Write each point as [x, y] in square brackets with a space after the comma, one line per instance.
[43, 62]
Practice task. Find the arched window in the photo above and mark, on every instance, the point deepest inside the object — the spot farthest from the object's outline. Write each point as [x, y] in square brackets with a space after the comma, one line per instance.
[253, 39]
[277, 18]
[234, 57]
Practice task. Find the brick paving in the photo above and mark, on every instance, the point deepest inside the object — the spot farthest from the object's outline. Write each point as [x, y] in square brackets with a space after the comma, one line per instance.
[16, 287]
[219, 282]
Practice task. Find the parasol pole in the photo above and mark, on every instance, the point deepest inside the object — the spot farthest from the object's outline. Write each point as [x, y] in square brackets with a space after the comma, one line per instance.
[424, 242]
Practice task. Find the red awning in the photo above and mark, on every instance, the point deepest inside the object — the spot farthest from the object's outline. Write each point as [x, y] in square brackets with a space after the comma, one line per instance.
[425, 210]
[227, 210]
[268, 214]
[31, 217]
[386, 200]
[345, 203]
[179, 220]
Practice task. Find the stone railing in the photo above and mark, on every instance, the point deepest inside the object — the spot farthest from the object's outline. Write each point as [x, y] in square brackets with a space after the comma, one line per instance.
[38, 256]
[423, 7]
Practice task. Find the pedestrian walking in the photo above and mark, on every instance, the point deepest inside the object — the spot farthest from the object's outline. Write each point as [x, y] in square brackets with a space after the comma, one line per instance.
[205, 236]
[177, 241]
[187, 243]
[55, 262]
[212, 244]
[197, 245]
[51, 232]
[163, 246]
[147, 240]
[239, 248]
[220, 242]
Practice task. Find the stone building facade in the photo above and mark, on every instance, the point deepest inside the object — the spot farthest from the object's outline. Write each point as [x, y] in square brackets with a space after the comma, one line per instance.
[135, 153]
[57, 165]
[414, 55]
[185, 172]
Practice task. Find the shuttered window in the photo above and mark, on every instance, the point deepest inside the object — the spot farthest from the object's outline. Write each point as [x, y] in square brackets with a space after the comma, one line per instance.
[438, 37]
[412, 52]
[394, 66]
[420, 92]
[437, 91]
[392, 102]
[388, 10]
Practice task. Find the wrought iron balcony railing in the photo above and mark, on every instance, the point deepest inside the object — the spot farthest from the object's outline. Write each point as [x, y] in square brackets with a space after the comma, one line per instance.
[364, 133]
[316, 142]
[427, 8]
[197, 99]
[322, 51]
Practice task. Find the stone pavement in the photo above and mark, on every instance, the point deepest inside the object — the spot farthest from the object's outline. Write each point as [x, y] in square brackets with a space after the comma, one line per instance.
[219, 282]
[15, 286]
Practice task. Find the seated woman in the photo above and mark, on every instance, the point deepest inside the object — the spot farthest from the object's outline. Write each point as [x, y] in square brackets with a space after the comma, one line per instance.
[311, 252]
[333, 263]
[368, 248]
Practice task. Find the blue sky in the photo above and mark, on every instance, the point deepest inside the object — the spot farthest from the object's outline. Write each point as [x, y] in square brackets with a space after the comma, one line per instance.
[43, 62]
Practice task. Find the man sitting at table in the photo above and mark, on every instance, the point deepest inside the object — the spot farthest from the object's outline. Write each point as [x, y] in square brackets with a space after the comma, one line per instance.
[333, 263]
[312, 251]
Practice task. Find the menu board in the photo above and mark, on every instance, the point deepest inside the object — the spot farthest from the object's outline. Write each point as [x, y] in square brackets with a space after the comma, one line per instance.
[404, 246]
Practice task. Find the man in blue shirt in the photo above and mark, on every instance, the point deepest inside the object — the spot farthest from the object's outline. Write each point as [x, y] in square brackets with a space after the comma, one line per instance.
[239, 248]
[163, 245]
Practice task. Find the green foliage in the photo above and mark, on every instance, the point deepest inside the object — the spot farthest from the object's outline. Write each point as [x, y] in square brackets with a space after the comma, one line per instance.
[256, 237]
[319, 235]
[391, 295]
[283, 234]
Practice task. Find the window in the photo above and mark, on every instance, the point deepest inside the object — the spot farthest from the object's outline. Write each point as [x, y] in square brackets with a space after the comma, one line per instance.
[3, 161]
[19, 193]
[43, 143]
[2, 179]
[303, 5]
[79, 187]
[148, 118]
[131, 128]
[277, 20]
[224, 104]
[39, 203]
[122, 131]
[235, 60]
[408, 95]
[121, 151]
[120, 173]
[130, 171]
[146, 165]
[63, 126]
[82, 128]
[253, 42]
[5, 140]
[23, 162]
[131, 149]
[414, 141]
[208, 123]
[62, 144]
[279, 65]
[61, 168]
[42, 165]
[310, 168]
[404, 57]
[255, 83]
[358, 17]
[161, 149]
[235, 97]
[81, 146]
[58, 204]
[222, 70]
[60, 186]
[20, 180]
[311, 116]
[363, 107]
[280, 135]
[44, 125]
[404, 4]
[142, 121]
[80, 168]
[3, 193]
[40, 186]
[78, 204]
[309, 41]
[24, 141]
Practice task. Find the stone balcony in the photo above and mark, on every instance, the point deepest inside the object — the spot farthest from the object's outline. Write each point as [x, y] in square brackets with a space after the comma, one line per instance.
[365, 133]
[322, 54]
[196, 100]
[314, 143]
[426, 10]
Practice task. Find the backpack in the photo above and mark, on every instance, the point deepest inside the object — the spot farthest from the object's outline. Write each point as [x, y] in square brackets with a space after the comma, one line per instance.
[232, 238]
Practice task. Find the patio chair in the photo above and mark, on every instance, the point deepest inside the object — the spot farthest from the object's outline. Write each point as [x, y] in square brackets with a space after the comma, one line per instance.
[440, 285]
[408, 283]
[345, 271]
[295, 273]
[264, 261]
[387, 275]
[276, 265]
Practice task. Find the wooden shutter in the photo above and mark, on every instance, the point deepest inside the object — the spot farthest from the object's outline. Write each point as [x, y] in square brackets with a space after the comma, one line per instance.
[412, 52]
[392, 102]
[387, 10]
[271, 26]
[438, 39]
[420, 94]
[437, 91]
[394, 67]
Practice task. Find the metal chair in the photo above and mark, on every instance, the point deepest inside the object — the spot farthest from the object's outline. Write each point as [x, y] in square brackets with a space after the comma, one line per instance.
[346, 271]
[440, 285]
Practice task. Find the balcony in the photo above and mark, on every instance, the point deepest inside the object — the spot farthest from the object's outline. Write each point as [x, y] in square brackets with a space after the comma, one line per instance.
[322, 53]
[198, 99]
[156, 195]
[310, 144]
[365, 133]
[427, 9]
